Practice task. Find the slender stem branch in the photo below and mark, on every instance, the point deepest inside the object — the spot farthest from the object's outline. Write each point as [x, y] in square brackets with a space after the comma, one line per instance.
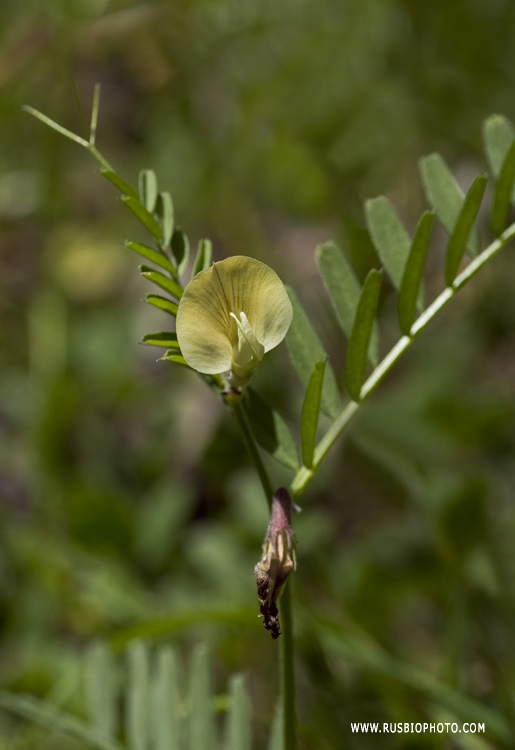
[304, 475]
[238, 409]
[287, 673]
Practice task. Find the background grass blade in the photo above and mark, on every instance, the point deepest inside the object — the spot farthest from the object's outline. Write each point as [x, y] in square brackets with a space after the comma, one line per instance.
[498, 136]
[445, 196]
[389, 236]
[201, 724]
[165, 216]
[503, 193]
[270, 430]
[276, 731]
[413, 273]
[101, 692]
[143, 216]
[154, 256]
[310, 411]
[305, 350]
[165, 282]
[463, 227]
[344, 291]
[137, 719]
[148, 189]
[238, 731]
[165, 718]
[361, 332]
[203, 257]
[45, 715]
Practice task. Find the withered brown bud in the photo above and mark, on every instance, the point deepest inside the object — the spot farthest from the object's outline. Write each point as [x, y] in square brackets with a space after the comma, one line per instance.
[277, 562]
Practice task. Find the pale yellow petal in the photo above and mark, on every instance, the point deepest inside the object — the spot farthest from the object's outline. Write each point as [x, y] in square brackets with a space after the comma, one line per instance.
[203, 325]
[251, 287]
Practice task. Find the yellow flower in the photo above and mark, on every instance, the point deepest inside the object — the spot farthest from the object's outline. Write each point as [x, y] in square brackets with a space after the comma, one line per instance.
[230, 315]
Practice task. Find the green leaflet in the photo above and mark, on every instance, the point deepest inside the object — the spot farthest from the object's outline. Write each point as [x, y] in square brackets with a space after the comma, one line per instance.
[101, 690]
[165, 282]
[148, 189]
[445, 196]
[305, 350]
[270, 430]
[166, 339]
[154, 256]
[138, 696]
[413, 273]
[203, 257]
[361, 331]
[201, 734]
[143, 216]
[344, 291]
[503, 193]
[237, 728]
[165, 723]
[464, 223]
[310, 411]
[180, 249]
[390, 239]
[174, 356]
[119, 183]
[498, 136]
[165, 215]
[163, 303]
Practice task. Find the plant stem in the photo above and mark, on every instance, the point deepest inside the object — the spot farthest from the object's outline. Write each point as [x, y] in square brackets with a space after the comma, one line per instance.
[304, 475]
[288, 675]
[238, 409]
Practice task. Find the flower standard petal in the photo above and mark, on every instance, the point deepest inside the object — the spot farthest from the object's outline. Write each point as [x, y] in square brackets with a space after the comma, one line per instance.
[230, 315]
[204, 325]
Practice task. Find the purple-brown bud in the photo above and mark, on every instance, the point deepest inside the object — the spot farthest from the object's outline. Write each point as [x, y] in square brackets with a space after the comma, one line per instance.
[277, 562]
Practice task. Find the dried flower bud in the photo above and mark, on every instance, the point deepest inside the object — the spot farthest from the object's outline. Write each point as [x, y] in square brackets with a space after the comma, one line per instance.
[277, 562]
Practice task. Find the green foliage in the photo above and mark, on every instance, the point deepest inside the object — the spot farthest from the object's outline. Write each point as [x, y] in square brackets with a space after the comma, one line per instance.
[310, 411]
[413, 273]
[463, 227]
[305, 350]
[359, 342]
[159, 715]
[445, 196]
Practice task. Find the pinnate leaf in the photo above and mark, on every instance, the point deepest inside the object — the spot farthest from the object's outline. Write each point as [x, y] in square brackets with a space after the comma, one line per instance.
[148, 189]
[270, 430]
[360, 337]
[305, 350]
[165, 282]
[389, 236]
[310, 411]
[344, 290]
[143, 216]
[154, 256]
[462, 228]
[203, 257]
[165, 215]
[119, 183]
[413, 273]
[162, 303]
[445, 196]
[180, 249]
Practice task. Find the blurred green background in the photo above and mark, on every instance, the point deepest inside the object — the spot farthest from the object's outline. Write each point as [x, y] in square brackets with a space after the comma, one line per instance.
[127, 504]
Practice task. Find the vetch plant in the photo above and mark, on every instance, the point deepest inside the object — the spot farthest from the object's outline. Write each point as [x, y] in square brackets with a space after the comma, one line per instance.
[229, 314]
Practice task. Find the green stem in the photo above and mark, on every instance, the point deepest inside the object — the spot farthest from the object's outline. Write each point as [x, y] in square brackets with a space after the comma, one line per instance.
[304, 475]
[288, 675]
[238, 409]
